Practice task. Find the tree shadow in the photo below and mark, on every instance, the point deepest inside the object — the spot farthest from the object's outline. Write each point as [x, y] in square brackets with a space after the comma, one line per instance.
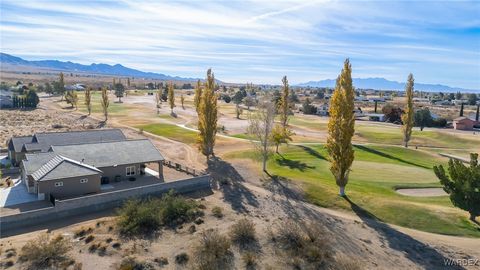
[385, 155]
[312, 152]
[293, 164]
[227, 179]
[416, 251]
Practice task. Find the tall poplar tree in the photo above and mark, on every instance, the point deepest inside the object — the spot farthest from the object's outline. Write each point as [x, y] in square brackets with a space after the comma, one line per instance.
[88, 99]
[158, 99]
[341, 127]
[171, 97]
[284, 106]
[207, 116]
[407, 117]
[61, 85]
[105, 103]
[198, 95]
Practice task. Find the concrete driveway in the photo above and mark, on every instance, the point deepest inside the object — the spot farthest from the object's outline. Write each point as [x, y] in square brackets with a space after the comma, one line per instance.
[16, 195]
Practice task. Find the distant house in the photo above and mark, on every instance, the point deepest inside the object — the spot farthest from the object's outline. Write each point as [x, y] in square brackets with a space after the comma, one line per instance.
[78, 169]
[41, 142]
[323, 109]
[75, 87]
[377, 117]
[464, 123]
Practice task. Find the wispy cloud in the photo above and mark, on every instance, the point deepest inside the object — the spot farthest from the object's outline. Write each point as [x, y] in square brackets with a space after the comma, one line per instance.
[259, 41]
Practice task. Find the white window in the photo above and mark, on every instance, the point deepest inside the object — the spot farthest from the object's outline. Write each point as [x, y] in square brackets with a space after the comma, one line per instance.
[83, 181]
[130, 170]
[58, 184]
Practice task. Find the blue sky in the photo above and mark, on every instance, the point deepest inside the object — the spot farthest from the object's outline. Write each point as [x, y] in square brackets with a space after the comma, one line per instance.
[255, 41]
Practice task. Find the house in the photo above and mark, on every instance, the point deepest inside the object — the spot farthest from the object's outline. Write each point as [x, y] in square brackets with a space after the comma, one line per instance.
[75, 87]
[323, 109]
[464, 123]
[41, 142]
[377, 117]
[79, 169]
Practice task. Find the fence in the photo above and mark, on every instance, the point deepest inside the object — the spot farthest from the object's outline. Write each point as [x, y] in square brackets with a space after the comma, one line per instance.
[183, 168]
[98, 202]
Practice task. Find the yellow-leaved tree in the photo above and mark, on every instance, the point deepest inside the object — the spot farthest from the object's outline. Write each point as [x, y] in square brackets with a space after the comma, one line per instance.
[88, 99]
[171, 97]
[341, 127]
[407, 117]
[207, 116]
[198, 95]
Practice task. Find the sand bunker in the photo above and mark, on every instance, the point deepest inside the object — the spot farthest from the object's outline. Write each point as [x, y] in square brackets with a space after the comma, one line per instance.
[422, 192]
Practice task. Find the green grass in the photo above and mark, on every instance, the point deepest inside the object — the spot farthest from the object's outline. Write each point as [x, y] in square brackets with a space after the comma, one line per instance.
[376, 172]
[113, 108]
[172, 132]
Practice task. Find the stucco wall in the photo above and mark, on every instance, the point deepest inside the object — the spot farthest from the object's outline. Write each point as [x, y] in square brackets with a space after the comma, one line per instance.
[71, 186]
[98, 202]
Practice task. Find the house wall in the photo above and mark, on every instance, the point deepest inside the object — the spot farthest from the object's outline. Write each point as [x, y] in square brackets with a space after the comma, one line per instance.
[98, 202]
[463, 125]
[121, 170]
[71, 186]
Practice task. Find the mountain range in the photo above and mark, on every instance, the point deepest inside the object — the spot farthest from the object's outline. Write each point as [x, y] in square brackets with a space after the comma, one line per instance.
[120, 70]
[117, 70]
[384, 84]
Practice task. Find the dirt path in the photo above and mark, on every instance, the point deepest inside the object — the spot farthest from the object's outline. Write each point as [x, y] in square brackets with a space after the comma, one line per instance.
[422, 192]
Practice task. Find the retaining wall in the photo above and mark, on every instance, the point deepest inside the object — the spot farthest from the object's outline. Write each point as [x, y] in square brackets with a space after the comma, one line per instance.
[98, 202]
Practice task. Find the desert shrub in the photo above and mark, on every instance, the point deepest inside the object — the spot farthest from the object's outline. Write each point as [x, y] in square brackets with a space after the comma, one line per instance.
[181, 258]
[249, 259]
[45, 252]
[7, 264]
[304, 244]
[131, 263]
[77, 266]
[212, 251]
[242, 232]
[89, 239]
[176, 210]
[138, 217]
[93, 248]
[162, 261]
[198, 221]
[217, 211]
[116, 245]
[143, 217]
[109, 240]
[192, 229]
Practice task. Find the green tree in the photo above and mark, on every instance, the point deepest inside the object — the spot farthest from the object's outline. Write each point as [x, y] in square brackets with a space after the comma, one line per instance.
[32, 98]
[407, 117]
[472, 99]
[171, 97]
[119, 91]
[48, 88]
[280, 135]
[60, 86]
[105, 103]
[341, 127]
[88, 99]
[248, 101]
[158, 99]
[71, 98]
[198, 95]
[423, 118]
[458, 95]
[207, 117]
[462, 184]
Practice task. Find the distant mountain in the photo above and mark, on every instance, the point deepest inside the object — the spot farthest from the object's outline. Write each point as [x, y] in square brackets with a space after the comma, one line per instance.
[384, 84]
[117, 70]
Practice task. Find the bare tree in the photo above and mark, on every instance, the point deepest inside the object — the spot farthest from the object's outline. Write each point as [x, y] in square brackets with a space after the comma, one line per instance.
[260, 128]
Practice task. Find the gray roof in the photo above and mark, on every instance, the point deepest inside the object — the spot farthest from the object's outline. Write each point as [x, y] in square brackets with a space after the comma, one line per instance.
[33, 162]
[61, 167]
[111, 153]
[18, 142]
[43, 141]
